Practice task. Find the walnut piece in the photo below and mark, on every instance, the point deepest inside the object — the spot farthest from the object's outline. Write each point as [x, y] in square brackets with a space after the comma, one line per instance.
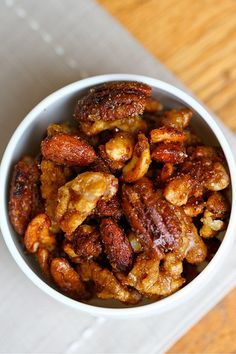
[78, 198]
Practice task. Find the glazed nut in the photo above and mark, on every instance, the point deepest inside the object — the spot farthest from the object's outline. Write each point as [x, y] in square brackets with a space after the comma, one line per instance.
[106, 284]
[153, 106]
[113, 101]
[67, 279]
[67, 150]
[86, 242]
[131, 125]
[24, 202]
[169, 152]
[117, 246]
[38, 234]
[152, 219]
[120, 148]
[178, 119]
[138, 166]
[78, 198]
[169, 134]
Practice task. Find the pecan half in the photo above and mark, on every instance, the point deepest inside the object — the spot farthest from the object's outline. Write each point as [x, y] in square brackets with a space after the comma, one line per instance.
[169, 152]
[151, 218]
[112, 101]
[117, 246]
[68, 150]
[24, 200]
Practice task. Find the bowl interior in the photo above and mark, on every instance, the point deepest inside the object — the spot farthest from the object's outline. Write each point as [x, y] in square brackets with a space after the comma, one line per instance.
[60, 110]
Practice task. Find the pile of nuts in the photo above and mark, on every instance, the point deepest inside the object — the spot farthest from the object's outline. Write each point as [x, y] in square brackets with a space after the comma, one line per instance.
[123, 202]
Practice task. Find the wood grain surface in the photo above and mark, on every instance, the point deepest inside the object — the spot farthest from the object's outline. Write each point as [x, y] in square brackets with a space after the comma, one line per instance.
[197, 41]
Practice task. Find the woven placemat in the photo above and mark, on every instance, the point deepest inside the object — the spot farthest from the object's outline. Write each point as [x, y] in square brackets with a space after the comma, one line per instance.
[46, 45]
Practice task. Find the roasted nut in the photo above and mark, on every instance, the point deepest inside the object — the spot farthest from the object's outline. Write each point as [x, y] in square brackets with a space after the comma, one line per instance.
[78, 198]
[52, 178]
[107, 286]
[151, 218]
[151, 281]
[86, 242]
[117, 246]
[195, 178]
[178, 119]
[68, 279]
[211, 227]
[167, 171]
[108, 208]
[218, 205]
[192, 247]
[24, 201]
[169, 134]
[139, 164]
[194, 207]
[43, 258]
[169, 153]
[38, 234]
[153, 106]
[217, 208]
[117, 150]
[131, 125]
[112, 101]
[64, 128]
[68, 150]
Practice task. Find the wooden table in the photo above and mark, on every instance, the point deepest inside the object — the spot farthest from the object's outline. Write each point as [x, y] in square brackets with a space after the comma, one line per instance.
[197, 41]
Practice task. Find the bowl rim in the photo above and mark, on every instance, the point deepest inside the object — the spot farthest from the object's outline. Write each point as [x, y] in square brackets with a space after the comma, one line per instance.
[159, 306]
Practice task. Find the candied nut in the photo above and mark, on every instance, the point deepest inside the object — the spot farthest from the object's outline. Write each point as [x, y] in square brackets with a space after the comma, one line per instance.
[117, 150]
[169, 134]
[112, 101]
[86, 242]
[151, 218]
[205, 151]
[178, 119]
[78, 198]
[178, 190]
[152, 105]
[67, 278]
[64, 128]
[38, 234]
[218, 205]
[196, 177]
[194, 207]
[131, 125]
[139, 164]
[68, 150]
[211, 227]
[218, 179]
[167, 171]
[117, 246]
[192, 248]
[43, 257]
[24, 193]
[107, 286]
[151, 281]
[69, 250]
[111, 207]
[169, 153]
[52, 177]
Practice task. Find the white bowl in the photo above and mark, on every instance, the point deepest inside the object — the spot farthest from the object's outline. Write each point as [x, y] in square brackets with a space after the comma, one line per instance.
[58, 107]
